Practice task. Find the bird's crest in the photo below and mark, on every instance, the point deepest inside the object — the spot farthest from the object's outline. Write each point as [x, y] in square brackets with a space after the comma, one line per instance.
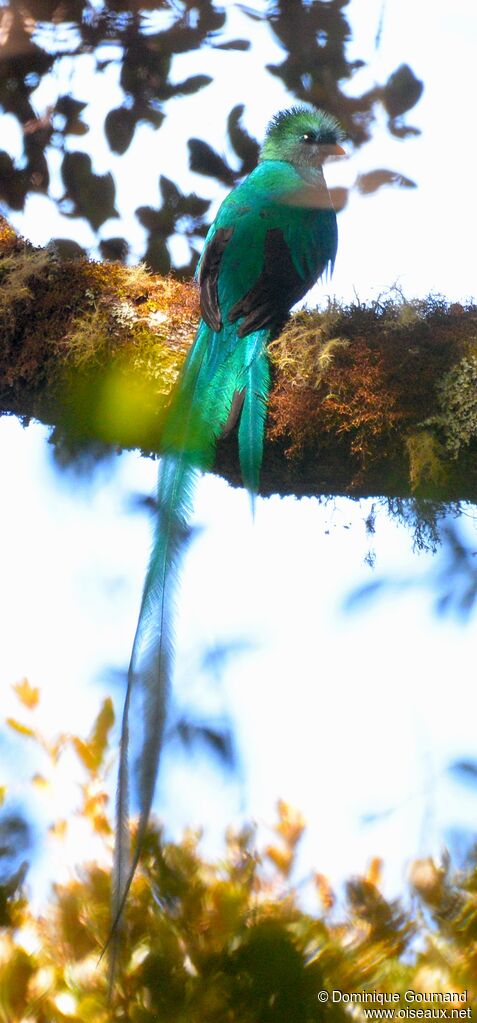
[299, 124]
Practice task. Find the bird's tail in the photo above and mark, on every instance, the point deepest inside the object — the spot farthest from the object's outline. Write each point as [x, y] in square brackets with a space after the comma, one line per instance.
[256, 380]
[200, 408]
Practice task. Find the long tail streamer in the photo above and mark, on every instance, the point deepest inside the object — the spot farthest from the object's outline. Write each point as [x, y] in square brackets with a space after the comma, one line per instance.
[199, 412]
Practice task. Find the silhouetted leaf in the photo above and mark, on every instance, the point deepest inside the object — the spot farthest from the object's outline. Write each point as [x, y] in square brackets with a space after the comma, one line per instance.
[156, 255]
[403, 131]
[114, 249]
[218, 742]
[234, 44]
[119, 128]
[245, 146]
[92, 194]
[145, 71]
[204, 160]
[192, 85]
[367, 183]
[402, 91]
[66, 248]
[71, 109]
[169, 191]
[14, 184]
[176, 208]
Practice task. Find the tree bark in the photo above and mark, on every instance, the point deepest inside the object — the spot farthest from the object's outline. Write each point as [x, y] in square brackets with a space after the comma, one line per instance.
[366, 400]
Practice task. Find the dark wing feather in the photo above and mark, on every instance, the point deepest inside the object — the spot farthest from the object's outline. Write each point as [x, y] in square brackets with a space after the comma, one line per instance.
[279, 286]
[209, 275]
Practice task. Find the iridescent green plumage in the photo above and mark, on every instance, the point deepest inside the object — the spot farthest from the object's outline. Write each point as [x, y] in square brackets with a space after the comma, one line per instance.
[287, 128]
[272, 238]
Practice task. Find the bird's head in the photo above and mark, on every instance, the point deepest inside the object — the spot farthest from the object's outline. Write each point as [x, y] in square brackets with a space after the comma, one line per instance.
[303, 136]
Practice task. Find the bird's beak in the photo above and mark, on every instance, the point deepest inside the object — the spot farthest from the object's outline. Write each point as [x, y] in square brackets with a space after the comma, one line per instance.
[333, 150]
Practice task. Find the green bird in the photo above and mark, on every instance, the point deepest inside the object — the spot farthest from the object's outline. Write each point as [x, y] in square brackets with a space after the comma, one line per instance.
[271, 240]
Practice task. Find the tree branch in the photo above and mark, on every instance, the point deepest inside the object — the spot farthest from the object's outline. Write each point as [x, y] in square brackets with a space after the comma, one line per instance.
[366, 400]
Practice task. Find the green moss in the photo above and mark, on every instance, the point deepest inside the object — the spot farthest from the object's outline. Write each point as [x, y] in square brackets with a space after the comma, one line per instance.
[358, 386]
[93, 347]
[17, 271]
[426, 460]
[457, 399]
[307, 346]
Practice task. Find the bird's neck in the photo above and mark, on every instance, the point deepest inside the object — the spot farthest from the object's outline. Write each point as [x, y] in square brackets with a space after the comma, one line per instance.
[314, 192]
[312, 175]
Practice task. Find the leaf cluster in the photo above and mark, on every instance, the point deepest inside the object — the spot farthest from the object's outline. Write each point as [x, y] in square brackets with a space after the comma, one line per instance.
[226, 940]
[46, 43]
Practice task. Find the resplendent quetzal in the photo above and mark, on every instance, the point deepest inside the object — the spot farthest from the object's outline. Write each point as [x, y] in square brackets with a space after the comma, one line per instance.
[272, 238]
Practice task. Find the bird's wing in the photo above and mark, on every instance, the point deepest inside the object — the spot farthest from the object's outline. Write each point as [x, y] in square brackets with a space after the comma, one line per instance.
[294, 240]
[209, 274]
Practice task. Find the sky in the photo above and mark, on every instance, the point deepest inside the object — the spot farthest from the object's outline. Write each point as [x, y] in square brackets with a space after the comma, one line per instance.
[344, 715]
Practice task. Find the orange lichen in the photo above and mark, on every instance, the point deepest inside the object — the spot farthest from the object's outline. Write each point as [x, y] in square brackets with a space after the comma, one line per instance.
[378, 384]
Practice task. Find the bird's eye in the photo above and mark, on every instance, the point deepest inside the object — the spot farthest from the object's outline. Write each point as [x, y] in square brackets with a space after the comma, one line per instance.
[308, 136]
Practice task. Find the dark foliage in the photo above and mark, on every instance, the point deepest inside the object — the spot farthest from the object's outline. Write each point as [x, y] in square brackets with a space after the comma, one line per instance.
[39, 37]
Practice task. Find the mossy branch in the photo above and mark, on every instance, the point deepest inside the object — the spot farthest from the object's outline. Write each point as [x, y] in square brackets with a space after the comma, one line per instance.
[376, 399]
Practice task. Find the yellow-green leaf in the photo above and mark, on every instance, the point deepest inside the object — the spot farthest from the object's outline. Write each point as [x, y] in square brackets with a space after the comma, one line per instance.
[91, 751]
[19, 727]
[40, 781]
[27, 694]
[59, 828]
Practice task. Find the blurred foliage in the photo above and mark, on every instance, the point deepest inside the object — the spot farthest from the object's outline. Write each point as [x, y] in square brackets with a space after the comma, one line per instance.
[225, 941]
[44, 44]
[452, 576]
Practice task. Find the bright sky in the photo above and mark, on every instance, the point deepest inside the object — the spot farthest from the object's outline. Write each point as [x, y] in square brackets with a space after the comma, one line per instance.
[342, 715]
